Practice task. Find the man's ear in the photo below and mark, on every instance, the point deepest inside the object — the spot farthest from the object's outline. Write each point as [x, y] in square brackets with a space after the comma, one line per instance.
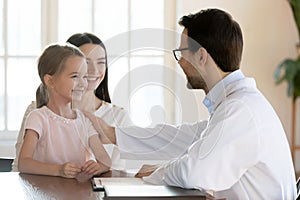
[202, 55]
[48, 79]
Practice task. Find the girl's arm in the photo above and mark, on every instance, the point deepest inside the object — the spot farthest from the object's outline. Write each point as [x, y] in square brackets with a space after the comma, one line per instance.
[103, 163]
[28, 165]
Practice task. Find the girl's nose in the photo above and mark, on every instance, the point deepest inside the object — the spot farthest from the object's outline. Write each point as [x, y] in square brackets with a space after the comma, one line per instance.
[82, 82]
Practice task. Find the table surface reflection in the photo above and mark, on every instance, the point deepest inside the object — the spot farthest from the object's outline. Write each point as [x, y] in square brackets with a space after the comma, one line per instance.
[15, 185]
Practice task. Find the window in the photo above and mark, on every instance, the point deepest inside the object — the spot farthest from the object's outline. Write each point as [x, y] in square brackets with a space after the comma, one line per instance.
[121, 27]
[27, 26]
[20, 45]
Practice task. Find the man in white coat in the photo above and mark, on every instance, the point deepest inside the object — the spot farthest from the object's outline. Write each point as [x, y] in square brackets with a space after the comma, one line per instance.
[243, 152]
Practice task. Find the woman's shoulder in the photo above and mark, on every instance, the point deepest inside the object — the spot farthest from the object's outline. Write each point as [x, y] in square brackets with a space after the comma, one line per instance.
[107, 105]
[113, 114]
[32, 105]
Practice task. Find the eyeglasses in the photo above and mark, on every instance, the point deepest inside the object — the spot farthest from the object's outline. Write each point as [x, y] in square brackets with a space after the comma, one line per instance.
[178, 53]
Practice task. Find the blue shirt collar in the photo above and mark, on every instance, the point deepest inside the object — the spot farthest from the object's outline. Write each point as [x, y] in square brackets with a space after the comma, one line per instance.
[219, 89]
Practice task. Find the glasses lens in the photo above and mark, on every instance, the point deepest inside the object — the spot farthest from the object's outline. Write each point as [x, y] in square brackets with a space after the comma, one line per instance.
[178, 55]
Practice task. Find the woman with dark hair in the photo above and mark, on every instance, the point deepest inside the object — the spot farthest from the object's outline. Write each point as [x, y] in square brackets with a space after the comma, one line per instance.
[96, 99]
[81, 39]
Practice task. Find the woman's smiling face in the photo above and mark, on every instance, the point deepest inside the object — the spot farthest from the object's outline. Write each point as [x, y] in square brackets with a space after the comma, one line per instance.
[96, 62]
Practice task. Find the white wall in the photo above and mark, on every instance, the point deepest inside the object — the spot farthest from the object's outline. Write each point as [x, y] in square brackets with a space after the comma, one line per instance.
[270, 36]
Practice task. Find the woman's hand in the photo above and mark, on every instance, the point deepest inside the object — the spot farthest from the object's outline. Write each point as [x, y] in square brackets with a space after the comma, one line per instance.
[106, 132]
[92, 168]
[69, 170]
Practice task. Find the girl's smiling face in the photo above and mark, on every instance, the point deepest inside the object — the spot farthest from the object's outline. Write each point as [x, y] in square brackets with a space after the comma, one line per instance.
[71, 82]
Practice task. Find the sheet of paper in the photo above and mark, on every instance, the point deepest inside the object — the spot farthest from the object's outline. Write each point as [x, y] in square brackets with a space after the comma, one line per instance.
[120, 181]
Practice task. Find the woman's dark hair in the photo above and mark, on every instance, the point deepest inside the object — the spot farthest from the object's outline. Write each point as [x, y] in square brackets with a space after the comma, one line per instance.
[218, 33]
[80, 39]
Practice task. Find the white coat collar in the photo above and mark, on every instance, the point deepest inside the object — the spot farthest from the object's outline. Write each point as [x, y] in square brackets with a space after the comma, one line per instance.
[231, 83]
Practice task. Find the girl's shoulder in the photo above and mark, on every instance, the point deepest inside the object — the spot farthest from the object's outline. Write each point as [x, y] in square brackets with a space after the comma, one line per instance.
[38, 113]
[80, 116]
[41, 110]
[79, 113]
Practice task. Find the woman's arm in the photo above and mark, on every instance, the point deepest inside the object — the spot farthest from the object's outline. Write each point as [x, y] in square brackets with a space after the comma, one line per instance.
[103, 160]
[106, 132]
[28, 165]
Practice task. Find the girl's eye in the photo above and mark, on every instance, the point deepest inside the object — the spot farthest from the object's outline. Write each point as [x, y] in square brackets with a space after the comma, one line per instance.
[74, 76]
[101, 63]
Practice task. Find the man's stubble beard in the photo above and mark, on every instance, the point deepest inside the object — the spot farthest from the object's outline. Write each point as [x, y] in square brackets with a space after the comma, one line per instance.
[195, 82]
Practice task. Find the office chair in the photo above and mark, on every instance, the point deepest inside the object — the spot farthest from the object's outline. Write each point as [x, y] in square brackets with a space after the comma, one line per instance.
[5, 164]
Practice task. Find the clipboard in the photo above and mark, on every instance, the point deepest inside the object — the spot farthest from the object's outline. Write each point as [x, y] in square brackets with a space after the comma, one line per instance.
[147, 192]
[97, 184]
[136, 188]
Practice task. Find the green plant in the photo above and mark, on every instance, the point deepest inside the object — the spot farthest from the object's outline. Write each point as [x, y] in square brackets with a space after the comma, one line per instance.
[295, 5]
[289, 71]
[291, 74]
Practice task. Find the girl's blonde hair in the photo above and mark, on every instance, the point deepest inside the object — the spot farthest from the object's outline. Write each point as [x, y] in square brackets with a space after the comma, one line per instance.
[52, 62]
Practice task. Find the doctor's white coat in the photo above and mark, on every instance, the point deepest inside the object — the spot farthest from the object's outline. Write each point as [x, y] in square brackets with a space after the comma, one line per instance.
[243, 152]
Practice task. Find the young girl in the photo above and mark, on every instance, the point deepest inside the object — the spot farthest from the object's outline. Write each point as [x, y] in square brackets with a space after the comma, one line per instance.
[96, 99]
[58, 140]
